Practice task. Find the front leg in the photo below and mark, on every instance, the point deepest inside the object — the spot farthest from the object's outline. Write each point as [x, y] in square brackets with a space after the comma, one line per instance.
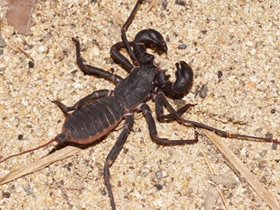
[183, 82]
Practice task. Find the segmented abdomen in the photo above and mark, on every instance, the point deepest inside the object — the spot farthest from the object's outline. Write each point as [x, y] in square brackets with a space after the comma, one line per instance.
[94, 120]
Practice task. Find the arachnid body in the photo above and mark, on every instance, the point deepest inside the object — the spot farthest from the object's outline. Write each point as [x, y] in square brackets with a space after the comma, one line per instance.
[146, 81]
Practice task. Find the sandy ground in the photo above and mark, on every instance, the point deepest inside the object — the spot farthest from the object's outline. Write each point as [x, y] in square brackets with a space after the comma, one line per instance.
[233, 48]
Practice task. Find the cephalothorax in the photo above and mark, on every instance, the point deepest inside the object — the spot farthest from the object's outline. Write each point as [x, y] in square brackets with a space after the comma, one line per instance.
[95, 115]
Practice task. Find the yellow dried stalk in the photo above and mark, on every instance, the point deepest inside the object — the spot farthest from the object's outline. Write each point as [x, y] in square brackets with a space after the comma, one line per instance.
[243, 170]
[41, 163]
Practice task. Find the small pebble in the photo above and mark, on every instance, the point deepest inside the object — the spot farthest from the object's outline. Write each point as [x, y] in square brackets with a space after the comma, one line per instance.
[220, 74]
[6, 194]
[31, 64]
[158, 186]
[203, 91]
[180, 2]
[2, 42]
[182, 46]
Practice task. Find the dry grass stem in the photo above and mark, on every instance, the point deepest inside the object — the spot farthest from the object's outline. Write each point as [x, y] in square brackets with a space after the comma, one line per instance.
[243, 170]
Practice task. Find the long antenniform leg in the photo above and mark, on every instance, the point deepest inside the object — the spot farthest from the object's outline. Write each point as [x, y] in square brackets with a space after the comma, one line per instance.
[210, 128]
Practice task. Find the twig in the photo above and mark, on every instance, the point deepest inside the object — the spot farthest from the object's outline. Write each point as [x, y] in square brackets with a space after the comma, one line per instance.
[243, 170]
[212, 172]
